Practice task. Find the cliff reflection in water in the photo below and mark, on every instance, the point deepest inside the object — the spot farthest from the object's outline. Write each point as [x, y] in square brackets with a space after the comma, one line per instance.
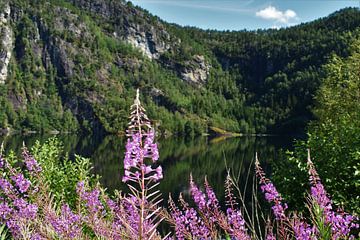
[178, 156]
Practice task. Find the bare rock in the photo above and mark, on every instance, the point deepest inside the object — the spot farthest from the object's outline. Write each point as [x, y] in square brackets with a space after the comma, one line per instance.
[6, 42]
[149, 42]
[196, 71]
[70, 22]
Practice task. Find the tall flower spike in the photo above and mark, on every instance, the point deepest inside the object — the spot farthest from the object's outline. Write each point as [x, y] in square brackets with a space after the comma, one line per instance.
[234, 216]
[341, 222]
[179, 218]
[230, 198]
[138, 118]
[198, 196]
[194, 223]
[271, 194]
[31, 164]
[141, 153]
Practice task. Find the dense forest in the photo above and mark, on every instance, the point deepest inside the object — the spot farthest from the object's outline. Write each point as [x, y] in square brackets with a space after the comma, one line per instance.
[333, 138]
[75, 65]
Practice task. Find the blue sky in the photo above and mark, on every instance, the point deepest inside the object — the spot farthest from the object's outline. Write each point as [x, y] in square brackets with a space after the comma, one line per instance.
[242, 14]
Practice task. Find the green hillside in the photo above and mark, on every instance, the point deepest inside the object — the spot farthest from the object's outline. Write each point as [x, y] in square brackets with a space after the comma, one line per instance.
[75, 65]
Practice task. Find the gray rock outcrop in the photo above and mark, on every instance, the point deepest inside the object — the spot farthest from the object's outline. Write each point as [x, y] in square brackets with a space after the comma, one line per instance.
[6, 42]
[148, 42]
[196, 71]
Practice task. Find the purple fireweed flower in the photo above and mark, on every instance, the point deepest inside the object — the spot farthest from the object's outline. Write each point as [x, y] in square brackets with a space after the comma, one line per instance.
[213, 212]
[91, 199]
[146, 169]
[5, 211]
[21, 182]
[131, 217]
[150, 148]
[68, 224]
[13, 225]
[318, 191]
[271, 194]
[6, 186]
[303, 231]
[279, 210]
[179, 225]
[320, 196]
[133, 152]
[24, 209]
[188, 224]
[95, 210]
[29, 211]
[131, 213]
[237, 222]
[140, 149]
[140, 146]
[80, 188]
[158, 174]
[135, 155]
[341, 223]
[178, 216]
[212, 201]
[195, 225]
[198, 196]
[22, 213]
[31, 164]
[111, 204]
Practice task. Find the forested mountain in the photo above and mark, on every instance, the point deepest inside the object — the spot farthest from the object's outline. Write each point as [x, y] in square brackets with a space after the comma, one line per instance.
[71, 65]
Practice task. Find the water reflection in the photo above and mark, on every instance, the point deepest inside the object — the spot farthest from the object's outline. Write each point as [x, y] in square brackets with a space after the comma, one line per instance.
[178, 156]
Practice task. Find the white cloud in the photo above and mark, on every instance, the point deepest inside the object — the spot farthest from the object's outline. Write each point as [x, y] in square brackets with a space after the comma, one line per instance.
[271, 13]
[275, 27]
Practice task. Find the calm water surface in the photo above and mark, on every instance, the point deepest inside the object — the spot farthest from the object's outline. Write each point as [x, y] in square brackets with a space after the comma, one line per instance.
[178, 156]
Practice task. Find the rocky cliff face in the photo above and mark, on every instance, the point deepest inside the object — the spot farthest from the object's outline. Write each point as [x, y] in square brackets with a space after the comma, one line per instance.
[56, 47]
[6, 41]
[196, 71]
[147, 42]
[65, 45]
[131, 25]
[147, 34]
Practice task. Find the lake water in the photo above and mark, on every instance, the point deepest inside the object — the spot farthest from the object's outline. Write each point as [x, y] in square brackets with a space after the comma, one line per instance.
[178, 156]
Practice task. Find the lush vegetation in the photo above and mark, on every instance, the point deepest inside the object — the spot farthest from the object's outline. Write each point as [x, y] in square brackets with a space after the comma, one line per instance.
[69, 71]
[333, 138]
[30, 208]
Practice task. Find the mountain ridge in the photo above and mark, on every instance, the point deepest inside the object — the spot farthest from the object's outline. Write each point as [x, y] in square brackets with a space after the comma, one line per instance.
[76, 64]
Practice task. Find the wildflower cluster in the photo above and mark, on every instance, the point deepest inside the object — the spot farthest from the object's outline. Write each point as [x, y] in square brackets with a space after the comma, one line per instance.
[29, 211]
[66, 224]
[17, 209]
[340, 222]
[207, 221]
[320, 205]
